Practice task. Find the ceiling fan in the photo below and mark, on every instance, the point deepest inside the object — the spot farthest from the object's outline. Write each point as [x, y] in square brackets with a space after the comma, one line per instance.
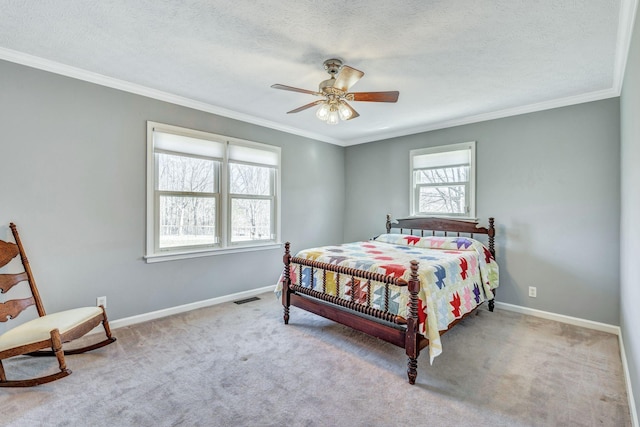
[334, 93]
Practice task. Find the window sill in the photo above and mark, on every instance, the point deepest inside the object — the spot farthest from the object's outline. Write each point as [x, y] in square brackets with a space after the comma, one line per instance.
[172, 256]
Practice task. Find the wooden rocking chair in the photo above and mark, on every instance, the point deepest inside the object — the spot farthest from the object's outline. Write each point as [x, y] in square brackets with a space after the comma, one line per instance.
[48, 330]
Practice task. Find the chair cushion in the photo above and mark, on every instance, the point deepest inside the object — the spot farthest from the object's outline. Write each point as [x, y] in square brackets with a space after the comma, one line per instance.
[40, 329]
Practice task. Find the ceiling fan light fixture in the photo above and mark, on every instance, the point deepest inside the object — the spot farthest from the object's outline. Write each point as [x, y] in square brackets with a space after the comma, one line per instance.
[334, 117]
[334, 94]
[323, 112]
[344, 111]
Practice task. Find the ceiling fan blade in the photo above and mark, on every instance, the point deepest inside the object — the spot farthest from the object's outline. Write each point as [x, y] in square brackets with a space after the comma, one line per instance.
[295, 89]
[347, 77]
[304, 107]
[354, 113]
[375, 96]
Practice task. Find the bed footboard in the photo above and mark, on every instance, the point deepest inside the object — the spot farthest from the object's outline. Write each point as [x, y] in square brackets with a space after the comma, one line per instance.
[379, 323]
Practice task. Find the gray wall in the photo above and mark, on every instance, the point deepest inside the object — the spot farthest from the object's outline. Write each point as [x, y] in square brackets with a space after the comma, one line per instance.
[551, 179]
[72, 168]
[630, 215]
[79, 149]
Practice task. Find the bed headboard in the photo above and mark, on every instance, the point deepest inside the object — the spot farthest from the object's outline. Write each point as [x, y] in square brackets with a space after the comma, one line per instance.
[445, 226]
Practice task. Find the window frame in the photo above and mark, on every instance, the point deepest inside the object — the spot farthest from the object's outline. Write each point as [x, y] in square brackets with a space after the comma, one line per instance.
[216, 195]
[470, 186]
[223, 197]
[273, 172]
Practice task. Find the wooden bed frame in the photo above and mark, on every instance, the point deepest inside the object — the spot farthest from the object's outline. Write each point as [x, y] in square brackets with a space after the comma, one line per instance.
[375, 322]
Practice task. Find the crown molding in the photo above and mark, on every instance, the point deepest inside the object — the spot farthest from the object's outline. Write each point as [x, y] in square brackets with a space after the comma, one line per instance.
[628, 10]
[509, 112]
[102, 80]
[627, 17]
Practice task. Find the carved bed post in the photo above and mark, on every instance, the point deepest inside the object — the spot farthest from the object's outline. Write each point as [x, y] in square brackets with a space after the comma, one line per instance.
[491, 234]
[388, 223]
[411, 343]
[286, 282]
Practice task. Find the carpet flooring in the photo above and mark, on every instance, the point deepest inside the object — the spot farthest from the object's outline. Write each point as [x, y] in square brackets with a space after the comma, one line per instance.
[240, 365]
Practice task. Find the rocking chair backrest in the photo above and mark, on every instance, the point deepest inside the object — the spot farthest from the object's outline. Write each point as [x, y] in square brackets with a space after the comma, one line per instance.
[12, 308]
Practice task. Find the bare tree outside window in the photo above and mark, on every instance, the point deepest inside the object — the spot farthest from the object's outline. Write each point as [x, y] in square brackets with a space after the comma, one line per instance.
[251, 189]
[443, 180]
[442, 190]
[209, 194]
[187, 187]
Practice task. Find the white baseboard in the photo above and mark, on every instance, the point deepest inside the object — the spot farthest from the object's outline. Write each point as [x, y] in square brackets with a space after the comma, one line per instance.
[591, 325]
[604, 327]
[127, 321]
[627, 378]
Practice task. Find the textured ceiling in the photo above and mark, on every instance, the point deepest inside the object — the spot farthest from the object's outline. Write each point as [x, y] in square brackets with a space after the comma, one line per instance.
[453, 61]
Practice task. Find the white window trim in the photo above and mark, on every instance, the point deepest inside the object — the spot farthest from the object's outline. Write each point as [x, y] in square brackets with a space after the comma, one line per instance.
[471, 145]
[224, 247]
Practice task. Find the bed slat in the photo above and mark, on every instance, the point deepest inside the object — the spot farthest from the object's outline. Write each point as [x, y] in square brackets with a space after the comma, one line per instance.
[350, 304]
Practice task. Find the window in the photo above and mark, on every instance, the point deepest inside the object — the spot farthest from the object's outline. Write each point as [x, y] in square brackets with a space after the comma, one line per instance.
[443, 180]
[252, 182]
[208, 193]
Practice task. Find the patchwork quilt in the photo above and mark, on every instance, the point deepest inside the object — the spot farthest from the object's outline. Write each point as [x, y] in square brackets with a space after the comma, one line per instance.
[456, 275]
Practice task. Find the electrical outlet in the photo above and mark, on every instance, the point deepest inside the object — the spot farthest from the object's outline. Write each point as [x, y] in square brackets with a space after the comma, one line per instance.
[533, 292]
[101, 301]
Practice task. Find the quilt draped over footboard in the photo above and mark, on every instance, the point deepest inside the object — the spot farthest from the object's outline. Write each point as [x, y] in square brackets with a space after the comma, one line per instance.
[456, 275]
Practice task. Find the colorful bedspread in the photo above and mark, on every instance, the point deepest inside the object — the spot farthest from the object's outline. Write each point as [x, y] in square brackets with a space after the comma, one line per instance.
[456, 275]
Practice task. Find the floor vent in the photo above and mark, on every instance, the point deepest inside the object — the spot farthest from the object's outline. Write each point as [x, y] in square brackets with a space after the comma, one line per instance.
[242, 301]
